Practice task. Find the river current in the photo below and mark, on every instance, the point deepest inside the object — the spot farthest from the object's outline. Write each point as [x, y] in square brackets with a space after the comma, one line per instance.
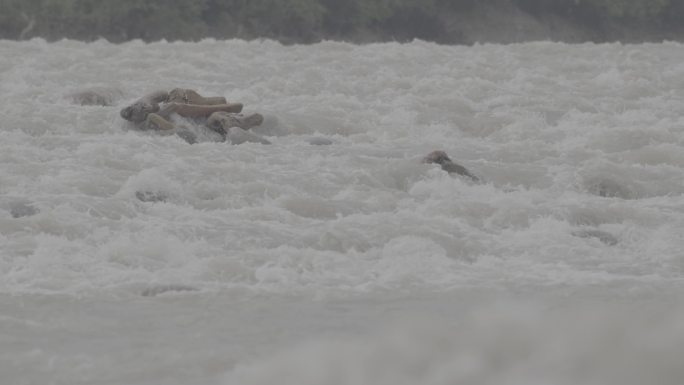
[128, 257]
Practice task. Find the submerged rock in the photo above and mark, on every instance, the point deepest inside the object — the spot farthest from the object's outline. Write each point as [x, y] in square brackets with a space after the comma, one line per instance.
[236, 135]
[603, 236]
[96, 97]
[20, 210]
[608, 188]
[150, 196]
[320, 141]
[154, 291]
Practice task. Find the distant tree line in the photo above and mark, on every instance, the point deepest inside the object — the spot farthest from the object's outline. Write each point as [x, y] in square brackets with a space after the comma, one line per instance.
[297, 20]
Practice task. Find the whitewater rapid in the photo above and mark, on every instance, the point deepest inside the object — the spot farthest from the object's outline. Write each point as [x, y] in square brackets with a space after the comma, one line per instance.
[259, 249]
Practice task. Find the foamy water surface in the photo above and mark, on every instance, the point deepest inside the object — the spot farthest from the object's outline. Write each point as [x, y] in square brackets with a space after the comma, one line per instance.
[286, 263]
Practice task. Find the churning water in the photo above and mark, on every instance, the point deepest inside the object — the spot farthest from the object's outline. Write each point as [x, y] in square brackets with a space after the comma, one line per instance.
[133, 258]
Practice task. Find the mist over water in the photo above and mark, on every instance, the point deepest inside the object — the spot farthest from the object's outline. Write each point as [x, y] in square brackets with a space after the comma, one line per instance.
[130, 257]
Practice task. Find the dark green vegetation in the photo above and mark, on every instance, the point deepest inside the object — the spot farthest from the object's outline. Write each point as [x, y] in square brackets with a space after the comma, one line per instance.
[444, 21]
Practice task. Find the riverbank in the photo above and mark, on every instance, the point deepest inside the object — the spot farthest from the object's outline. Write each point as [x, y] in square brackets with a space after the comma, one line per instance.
[309, 21]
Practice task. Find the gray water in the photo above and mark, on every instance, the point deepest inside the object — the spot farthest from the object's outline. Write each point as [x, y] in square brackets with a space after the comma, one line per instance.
[348, 263]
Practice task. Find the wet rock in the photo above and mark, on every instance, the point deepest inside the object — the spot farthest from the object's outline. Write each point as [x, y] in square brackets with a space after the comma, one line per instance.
[442, 159]
[188, 136]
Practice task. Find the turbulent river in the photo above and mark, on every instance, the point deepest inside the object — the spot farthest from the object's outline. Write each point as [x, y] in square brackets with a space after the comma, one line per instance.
[128, 257]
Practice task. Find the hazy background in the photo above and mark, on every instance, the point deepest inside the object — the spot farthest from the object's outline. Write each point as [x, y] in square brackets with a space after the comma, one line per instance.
[307, 21]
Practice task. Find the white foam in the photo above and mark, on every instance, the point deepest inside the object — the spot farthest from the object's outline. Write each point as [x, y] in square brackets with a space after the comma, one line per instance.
[561, 125]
